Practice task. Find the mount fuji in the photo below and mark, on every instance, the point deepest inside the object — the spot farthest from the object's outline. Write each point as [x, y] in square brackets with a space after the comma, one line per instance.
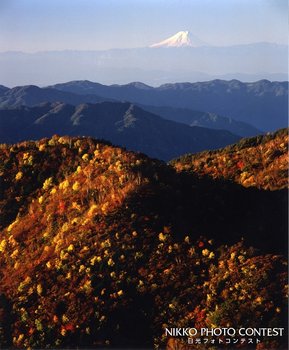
[182, 57]
[180, 39]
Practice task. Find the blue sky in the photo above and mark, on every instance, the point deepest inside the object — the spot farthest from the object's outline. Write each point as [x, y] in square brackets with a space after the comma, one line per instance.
[36, 25]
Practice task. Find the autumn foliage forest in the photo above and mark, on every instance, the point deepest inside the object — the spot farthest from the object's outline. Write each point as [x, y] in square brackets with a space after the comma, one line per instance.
[105, 248]
[260, 161]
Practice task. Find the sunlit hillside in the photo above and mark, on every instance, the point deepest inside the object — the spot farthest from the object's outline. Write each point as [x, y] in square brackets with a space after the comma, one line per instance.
[101, 247]
[260, 162]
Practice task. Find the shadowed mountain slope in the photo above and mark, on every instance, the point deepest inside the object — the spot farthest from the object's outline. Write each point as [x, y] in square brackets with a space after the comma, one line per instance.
[263, 104]
[32, 95]
[121, 123]
[203, 119]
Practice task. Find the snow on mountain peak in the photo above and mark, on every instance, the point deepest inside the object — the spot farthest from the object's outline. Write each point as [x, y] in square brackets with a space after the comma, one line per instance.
[180, 39]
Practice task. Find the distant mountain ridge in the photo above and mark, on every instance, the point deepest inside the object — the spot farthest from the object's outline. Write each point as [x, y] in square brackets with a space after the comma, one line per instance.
[32, 95]
[3, 89]
[121, 123]
[263, 104]
[203, 119]
[153, 66]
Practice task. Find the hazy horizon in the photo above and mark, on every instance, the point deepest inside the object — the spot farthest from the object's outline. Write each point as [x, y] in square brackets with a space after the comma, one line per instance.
[108, 41]
[128, 48]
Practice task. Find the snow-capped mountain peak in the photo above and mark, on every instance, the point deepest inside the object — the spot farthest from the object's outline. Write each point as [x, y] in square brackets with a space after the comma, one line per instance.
[180, 39]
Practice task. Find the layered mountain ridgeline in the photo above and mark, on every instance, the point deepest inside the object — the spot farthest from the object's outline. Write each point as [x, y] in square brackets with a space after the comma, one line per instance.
[263, 104]
[203, 119]
[260, 162]
[121, 123]
[101, 247]
[32, 95]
